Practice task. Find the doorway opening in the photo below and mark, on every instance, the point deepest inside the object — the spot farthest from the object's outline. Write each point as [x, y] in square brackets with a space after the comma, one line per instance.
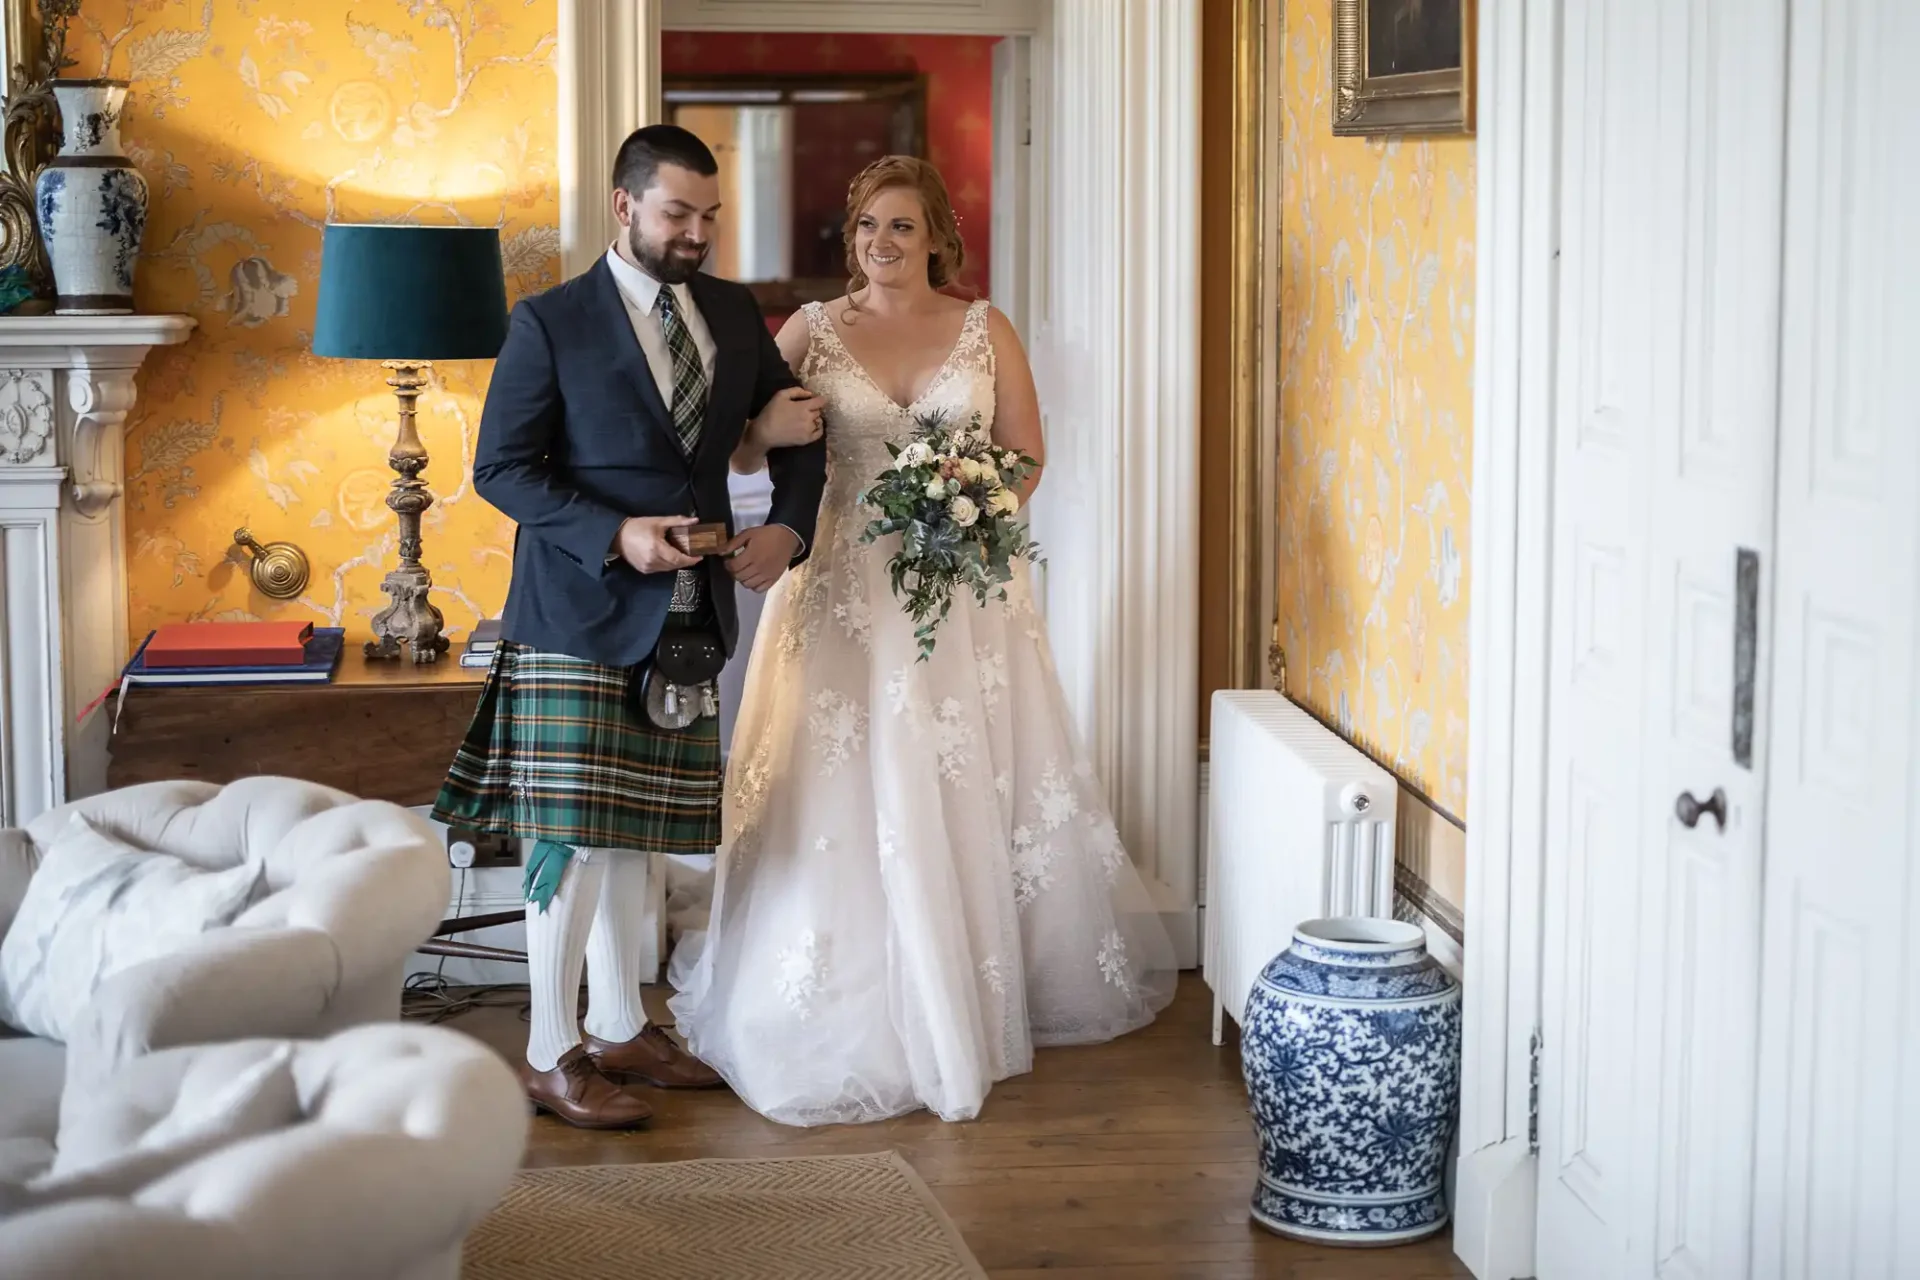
[1086, 96]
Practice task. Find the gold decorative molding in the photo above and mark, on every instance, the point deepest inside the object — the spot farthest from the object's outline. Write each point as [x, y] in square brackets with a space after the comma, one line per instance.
[1249, 334]
[35, 53]
[18, 24]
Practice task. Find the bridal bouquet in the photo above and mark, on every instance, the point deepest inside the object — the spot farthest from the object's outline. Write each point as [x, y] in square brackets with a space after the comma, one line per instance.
[950, 495]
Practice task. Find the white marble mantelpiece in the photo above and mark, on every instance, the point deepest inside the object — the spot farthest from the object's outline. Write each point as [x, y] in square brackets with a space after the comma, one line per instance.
[66, 386]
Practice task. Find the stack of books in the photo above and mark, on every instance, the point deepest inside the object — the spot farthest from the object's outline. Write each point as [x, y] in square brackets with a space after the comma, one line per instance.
[204, 653]
[481, 644]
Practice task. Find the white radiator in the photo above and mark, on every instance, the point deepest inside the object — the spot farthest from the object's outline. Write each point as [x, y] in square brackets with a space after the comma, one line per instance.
[1299, 827]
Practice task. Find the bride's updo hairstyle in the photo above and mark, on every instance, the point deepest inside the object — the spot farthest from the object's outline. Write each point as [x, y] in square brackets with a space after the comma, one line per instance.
[949, 251]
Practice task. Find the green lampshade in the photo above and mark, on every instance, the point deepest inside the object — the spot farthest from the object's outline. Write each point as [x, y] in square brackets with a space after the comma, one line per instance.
[410, 293]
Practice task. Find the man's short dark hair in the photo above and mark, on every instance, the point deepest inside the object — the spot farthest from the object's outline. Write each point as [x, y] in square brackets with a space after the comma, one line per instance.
[645, 150]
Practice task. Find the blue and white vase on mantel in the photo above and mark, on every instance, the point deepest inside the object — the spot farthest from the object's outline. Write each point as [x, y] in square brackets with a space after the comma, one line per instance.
[1351, 1049]
[92, 203]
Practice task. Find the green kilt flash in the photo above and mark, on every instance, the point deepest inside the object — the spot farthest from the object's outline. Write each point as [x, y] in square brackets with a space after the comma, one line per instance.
[561, 750]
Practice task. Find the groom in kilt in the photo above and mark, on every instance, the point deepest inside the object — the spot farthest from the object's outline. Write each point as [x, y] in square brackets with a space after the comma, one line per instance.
[615, 407]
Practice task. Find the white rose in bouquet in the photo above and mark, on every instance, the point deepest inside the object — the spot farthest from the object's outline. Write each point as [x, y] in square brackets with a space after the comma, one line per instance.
[947, 497]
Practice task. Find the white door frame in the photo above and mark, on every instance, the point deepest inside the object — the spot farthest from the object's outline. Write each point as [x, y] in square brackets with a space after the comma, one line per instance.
[1112, 330]
[1509, 632]
[608, 66]
[1009, 278]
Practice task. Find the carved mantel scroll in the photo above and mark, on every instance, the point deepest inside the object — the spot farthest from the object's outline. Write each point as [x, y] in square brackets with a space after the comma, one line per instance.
[66, 388]
[100, 399]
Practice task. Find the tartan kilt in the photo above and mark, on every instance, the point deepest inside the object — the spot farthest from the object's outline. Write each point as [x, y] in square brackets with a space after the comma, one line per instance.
[561, 749]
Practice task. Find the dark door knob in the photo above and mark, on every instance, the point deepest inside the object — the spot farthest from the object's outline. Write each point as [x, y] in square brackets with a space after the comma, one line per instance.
[1688, 810]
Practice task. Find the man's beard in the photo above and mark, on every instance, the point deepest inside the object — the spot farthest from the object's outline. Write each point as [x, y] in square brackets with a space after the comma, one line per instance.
[664, 262]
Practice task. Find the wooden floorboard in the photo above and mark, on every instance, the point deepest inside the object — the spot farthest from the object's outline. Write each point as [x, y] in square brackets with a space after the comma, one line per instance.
[1125, 1161]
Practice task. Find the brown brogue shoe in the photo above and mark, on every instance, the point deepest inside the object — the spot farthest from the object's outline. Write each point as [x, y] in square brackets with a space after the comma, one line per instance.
[654, 1057]
[578, 1093]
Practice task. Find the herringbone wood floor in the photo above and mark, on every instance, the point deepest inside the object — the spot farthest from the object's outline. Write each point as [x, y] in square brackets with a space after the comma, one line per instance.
[1123, 1161]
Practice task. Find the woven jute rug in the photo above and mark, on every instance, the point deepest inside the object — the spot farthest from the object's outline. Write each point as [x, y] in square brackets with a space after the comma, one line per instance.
[864, 1217]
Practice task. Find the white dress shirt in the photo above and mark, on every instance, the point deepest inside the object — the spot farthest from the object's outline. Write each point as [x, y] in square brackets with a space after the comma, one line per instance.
[641, 294]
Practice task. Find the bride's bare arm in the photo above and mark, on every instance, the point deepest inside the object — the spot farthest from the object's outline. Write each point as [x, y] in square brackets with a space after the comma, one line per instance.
[750, 455]
[1016, 405]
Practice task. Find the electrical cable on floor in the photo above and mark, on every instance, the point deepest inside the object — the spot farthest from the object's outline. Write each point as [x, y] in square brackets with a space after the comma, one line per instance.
[430, 998]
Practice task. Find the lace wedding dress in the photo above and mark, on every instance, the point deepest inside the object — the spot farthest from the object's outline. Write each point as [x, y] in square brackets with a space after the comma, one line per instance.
[921, 880]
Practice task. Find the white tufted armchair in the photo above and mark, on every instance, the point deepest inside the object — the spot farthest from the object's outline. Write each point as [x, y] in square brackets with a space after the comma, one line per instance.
[370, 1154]
[348, 889]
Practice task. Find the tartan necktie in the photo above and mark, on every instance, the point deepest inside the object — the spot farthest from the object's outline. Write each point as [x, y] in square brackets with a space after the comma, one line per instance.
[689, 377]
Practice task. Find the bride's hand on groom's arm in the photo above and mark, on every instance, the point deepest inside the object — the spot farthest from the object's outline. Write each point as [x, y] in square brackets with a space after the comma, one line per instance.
[760, 555]
[790, 420]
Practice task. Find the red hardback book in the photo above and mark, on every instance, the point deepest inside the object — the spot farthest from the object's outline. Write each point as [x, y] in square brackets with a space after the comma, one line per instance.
[229, 644]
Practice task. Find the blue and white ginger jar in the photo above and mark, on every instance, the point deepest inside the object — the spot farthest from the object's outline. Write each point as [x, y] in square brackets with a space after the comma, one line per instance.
[92, 203]
[1351, 1049]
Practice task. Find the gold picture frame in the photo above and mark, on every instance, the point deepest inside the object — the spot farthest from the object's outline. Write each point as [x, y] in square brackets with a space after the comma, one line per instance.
[33, 54]
[1403, 66]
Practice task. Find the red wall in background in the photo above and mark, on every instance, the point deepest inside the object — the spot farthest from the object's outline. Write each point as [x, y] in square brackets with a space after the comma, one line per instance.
[959, 71]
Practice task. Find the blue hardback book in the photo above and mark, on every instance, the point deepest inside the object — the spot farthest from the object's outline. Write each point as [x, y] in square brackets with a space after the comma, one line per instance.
[323, 655]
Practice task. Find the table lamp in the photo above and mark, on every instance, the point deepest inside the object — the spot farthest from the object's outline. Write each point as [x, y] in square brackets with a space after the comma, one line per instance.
[407, 296]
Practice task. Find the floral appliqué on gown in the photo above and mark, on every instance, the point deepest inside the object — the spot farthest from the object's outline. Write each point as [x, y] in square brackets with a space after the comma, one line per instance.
[921, 880]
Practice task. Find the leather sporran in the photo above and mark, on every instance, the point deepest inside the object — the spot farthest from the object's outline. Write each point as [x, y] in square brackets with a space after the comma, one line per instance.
[681, 681]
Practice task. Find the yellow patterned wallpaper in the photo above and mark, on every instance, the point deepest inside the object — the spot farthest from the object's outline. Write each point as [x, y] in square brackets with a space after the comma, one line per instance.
[1376, 424]
[256, 122]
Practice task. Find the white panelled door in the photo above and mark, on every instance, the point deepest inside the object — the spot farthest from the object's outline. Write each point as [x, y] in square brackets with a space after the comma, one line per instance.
[1837, 1173]
[1665, 423]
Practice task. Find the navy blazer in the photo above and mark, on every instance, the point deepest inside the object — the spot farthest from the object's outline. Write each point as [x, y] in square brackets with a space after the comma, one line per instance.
[575, 438]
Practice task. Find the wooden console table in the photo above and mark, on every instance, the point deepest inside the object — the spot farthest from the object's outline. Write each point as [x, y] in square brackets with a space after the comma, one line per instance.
[380, 730]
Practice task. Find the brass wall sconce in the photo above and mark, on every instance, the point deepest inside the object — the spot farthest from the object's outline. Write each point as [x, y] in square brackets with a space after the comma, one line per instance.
[279, 569]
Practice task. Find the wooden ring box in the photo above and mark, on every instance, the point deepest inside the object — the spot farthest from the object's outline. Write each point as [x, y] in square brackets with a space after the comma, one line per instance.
[698, 539]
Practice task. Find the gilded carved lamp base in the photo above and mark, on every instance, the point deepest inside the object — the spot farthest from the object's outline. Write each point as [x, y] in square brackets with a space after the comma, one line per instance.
[410, 619]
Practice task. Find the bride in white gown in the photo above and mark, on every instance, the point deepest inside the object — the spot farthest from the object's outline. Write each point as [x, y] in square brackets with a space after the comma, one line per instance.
[921, 880]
